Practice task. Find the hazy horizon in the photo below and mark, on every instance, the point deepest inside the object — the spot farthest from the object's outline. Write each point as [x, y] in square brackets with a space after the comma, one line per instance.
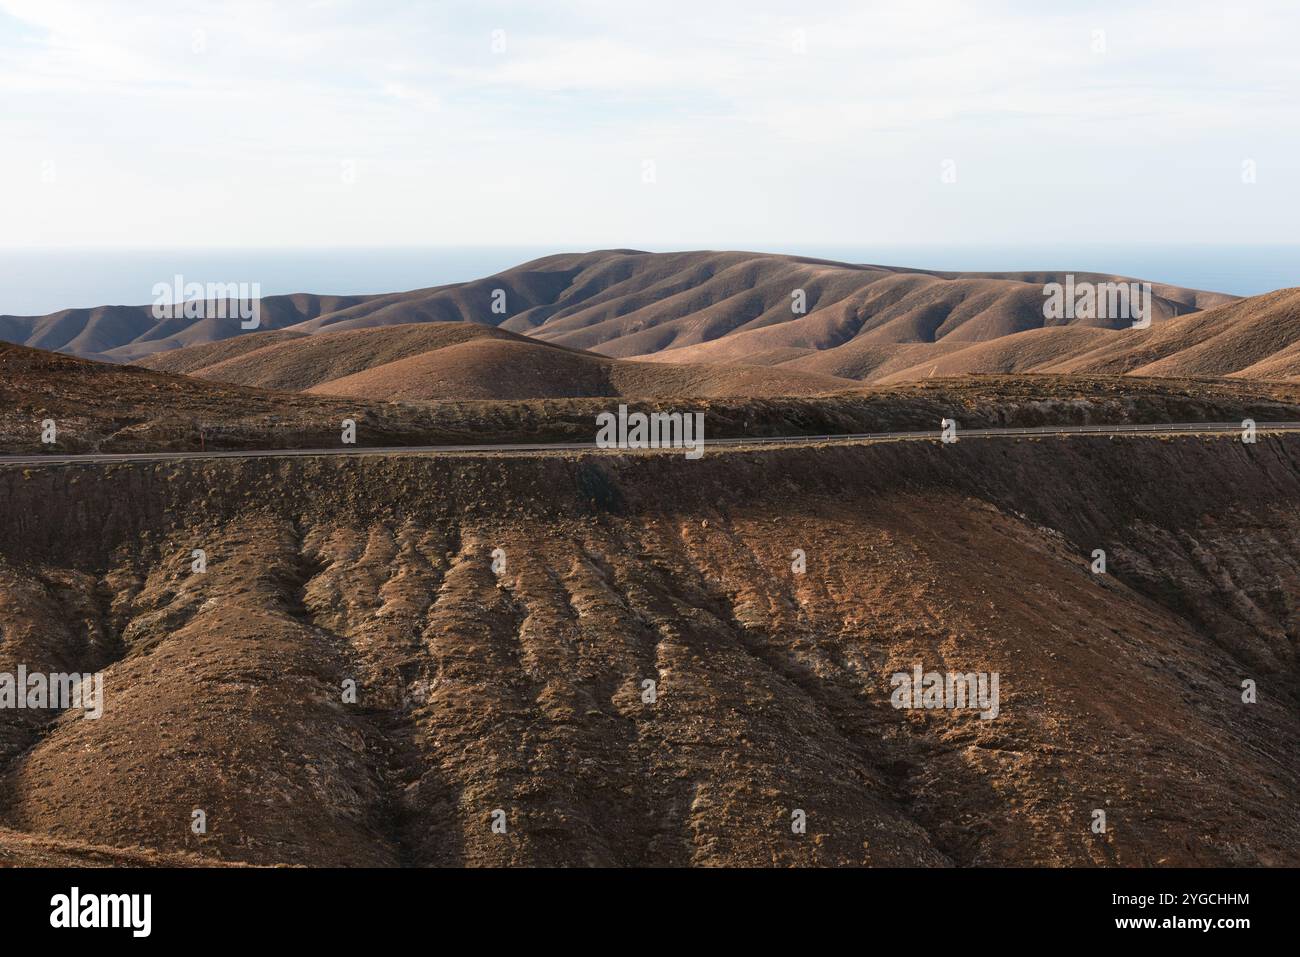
[40, 281]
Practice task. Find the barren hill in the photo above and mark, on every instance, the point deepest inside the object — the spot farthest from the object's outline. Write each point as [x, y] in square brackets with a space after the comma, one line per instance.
[113, 408]
[524, 692]
[456, 360]
[625, 303]
[1252, 338]
[1257, 338]
[294, 360]
[126, 333]
[720, 323]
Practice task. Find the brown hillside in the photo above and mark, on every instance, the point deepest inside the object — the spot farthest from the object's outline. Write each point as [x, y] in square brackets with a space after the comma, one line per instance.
[524, 691]
[625, 303]
[520, 369]
[114, 408]
[457, 360]
[1257, 337]
[190, 360]
[300, 361]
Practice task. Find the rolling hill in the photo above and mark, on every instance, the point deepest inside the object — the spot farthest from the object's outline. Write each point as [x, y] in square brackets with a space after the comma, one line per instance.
[125, 333]
[628, 303]
[567, 326]
[457, 360]
[1255, 338]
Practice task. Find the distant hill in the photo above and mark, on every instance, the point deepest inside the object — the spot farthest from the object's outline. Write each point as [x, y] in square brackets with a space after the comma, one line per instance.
[701, 312]
[627, 303]
[127, 333]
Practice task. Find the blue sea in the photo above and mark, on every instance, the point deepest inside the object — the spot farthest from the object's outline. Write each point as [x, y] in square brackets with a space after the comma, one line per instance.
[35, 282]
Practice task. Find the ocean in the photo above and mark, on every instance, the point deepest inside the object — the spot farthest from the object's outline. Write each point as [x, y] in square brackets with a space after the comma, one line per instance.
[35, 282]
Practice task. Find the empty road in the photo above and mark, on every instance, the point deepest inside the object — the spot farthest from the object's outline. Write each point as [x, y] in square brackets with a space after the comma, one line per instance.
[1178, 428]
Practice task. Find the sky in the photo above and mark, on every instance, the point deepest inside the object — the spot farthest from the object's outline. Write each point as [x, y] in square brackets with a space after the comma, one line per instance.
[671, 124]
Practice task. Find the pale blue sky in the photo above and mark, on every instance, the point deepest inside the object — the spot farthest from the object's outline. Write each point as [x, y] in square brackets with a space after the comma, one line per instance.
[134, 123]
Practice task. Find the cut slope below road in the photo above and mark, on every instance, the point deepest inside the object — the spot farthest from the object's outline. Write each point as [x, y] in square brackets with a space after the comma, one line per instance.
[524, 690]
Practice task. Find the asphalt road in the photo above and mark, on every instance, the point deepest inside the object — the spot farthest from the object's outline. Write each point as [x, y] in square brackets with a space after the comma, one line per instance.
[1180, 428]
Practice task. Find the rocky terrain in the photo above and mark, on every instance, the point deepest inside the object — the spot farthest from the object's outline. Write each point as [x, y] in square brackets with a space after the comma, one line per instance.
[520, 689]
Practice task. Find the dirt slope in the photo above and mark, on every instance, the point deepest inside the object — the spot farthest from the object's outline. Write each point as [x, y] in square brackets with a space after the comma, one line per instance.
[1255, 338]
[294, 361]
[1245, 338]
[483, 369]
[101, 407]
[458, 360]
[192, 360]
[523, 692]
